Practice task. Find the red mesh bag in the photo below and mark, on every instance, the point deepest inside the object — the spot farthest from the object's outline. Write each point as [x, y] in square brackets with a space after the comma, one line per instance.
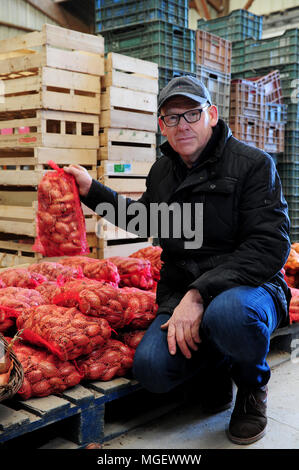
[134, 272]
[21, 277]
[53, 271]
[65, 332]
[6, 324]
[44, 373]
[142, 307]
[48, 290]
[60, 223]
[2, 284]
[95, 298]
[152, 254]
[132, 338]
[112, 359]
[98, 269]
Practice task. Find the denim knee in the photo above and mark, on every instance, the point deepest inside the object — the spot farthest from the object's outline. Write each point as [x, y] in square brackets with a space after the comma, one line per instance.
[234, 325]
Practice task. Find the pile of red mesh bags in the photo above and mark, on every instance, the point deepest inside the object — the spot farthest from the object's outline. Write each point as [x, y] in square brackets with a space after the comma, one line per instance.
[133, 272]
[105, 362]
[98, 269]
[44, 373]
[60, 221]
[152, 254]
[21, 277]
[65, 332]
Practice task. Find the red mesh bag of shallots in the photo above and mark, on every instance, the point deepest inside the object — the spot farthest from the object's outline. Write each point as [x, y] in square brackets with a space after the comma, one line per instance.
[95, 298]
[60, 224]
[294, 305]
[53, 271]
[65, 332]
[142, 307]
[112, 359]
[2, 284]
[99, 269]
[48, 290]
[44, 373]
[21, 277]
[134, 272]
[132, 338]
[152, 254]
[14, 300]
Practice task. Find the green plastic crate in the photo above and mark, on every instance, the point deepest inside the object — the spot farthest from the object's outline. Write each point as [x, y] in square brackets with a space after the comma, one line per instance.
[238, 25]
[114, 14]
[168, 45]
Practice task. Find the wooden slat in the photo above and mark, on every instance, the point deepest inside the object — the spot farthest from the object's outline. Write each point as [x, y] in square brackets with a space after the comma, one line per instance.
[128, 119]
[122, 167]
[129, 99]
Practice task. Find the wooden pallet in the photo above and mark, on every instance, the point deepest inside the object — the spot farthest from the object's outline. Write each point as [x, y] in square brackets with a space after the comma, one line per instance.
[90, 412]
[127, 144]
[129, 93]
[55, 47]
[43, 128]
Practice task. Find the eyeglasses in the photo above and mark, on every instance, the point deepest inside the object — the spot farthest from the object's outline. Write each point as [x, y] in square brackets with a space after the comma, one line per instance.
[194, 115]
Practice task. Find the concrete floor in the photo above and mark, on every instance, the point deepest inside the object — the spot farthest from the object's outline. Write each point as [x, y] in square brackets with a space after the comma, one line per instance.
[188, 428]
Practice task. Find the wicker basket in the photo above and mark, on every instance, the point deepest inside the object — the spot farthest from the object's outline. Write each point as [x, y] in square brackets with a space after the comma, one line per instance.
[16, 376]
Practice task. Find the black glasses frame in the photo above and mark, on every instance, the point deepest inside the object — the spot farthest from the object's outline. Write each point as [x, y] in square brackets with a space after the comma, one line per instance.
[179, 115]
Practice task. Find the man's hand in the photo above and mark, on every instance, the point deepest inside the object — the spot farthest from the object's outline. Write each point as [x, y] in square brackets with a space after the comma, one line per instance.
[183, 325]
[82, 177]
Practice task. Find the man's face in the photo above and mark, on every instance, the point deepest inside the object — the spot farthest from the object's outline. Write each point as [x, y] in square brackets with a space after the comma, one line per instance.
[188, 139]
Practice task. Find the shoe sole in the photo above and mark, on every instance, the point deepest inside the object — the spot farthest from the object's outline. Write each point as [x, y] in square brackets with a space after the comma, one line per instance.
[247, 440]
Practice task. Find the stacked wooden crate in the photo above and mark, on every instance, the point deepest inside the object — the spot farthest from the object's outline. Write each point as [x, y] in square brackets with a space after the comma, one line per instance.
[128, 126]
[49, 109]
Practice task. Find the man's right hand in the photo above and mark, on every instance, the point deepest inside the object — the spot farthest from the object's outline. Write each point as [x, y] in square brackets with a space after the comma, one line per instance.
[82, 177]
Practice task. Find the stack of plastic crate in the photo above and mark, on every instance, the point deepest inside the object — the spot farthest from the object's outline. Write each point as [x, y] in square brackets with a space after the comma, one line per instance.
[238, 25]
[247, 112]
[149, 30]
[213, 68]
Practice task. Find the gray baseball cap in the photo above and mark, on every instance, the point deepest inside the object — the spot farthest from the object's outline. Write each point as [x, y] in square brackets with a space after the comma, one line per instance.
[186, 85]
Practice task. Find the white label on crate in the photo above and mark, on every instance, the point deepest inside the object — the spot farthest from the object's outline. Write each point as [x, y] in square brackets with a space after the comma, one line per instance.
[119, 168]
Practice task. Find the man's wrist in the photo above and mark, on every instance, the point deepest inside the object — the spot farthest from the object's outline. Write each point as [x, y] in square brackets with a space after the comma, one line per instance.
[196, 296]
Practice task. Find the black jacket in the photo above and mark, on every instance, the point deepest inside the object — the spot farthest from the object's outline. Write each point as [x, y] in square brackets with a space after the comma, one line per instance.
[245, 221]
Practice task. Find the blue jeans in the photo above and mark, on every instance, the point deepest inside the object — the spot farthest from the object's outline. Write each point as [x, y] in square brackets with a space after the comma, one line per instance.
[235, 329]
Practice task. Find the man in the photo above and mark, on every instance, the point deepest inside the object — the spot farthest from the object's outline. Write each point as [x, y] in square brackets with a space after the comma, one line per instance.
[218, 302]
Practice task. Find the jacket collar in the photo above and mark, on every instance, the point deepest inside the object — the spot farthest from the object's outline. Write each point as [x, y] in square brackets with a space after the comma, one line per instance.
[184, 178]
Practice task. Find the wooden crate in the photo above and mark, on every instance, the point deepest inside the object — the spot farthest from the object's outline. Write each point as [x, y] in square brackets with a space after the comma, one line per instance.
[124, 177]
[44, 128]
[26, 166]
[50, 88]
[127, 144]
[129, 93]
[121, 247]
[19, 252]
[55, 47]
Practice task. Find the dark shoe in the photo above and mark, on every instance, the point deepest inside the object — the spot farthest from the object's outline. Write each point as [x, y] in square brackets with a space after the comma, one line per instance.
[249, 420]
[217, 393]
